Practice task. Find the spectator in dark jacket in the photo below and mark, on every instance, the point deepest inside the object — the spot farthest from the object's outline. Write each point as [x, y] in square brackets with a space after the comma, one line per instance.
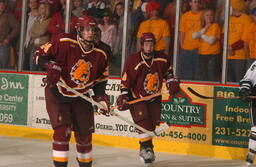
[9, 29]
[57, 22]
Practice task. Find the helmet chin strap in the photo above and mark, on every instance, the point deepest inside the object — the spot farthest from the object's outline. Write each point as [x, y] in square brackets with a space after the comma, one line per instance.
[86, 44]
[147, 56]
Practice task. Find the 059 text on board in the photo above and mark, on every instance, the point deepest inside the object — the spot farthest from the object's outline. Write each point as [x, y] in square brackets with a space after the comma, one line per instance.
[6, 118]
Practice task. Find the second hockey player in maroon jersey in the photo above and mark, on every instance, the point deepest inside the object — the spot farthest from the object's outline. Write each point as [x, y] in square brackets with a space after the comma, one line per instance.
[143, 75]
[73, 60]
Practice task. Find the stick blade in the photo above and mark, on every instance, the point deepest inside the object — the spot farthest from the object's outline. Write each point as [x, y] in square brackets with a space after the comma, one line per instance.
[163, 127]
[199, 95]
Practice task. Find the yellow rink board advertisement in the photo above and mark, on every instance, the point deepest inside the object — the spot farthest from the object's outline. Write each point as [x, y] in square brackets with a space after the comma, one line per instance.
[206, 127]
[188, 116]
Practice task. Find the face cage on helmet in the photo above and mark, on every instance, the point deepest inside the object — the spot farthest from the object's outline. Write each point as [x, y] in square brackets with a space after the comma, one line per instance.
[80, 29]
[147, 54]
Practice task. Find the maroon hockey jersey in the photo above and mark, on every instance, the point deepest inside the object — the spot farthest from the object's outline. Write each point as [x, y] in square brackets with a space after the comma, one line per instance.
[143, 78]
[81, 70]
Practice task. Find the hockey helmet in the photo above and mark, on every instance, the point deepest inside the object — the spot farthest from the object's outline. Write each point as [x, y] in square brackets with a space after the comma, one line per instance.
[86, 21]
[147, 37]
[82, 23]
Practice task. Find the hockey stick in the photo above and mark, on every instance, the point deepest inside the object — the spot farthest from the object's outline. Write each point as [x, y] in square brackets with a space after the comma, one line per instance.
[156, 132]
[215, 97]
[145, 98]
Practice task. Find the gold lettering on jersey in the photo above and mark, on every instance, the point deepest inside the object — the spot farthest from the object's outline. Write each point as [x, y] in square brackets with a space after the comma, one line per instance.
[80, 72]
[124, 77]
[151, 83]
[72, 45]
[46, 47]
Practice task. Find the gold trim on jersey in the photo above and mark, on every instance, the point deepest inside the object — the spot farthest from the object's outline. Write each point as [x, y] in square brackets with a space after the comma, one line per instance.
[36, 59]
[102, 51]
[69, 40]
[160, 59]
[93, 49]
[144, 62]
[81, 47]
[106, 72]
[46, 47]
[124, 77]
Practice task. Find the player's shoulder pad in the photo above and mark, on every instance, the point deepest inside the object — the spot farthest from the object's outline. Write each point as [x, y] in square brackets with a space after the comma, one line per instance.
[133, 57]
[102, 52]
[70, 38]
[161, 56]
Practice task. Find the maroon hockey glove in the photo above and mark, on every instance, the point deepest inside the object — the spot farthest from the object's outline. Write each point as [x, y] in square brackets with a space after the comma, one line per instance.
[53, 72]
[237, 45]
[121, 102]
[104, 101]
[173, 84]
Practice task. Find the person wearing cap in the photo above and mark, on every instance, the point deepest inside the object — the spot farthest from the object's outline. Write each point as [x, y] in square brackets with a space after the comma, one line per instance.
[143, 75]
[73, 60]
[108, 29]
[96, 8]
[157, 26]
[237, 43]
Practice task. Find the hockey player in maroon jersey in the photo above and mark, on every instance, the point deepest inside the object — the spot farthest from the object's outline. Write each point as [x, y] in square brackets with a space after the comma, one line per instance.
[73, 60]
[143, 75]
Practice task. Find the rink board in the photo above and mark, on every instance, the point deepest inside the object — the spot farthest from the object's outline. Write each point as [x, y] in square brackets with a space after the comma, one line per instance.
[212, 128]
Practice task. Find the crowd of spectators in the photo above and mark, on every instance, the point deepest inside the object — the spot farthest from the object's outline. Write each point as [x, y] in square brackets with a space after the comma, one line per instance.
[200, 38]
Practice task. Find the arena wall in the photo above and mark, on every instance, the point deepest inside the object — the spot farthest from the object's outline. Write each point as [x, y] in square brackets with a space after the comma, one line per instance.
[216, 128]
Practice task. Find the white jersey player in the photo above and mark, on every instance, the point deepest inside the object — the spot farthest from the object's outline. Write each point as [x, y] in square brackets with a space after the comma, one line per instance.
[247, 88]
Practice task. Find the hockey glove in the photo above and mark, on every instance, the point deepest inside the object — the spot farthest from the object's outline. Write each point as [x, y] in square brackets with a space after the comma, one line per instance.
[104, 101]
[53, 72]
[244, 93]
[173, 84]
[121, 102]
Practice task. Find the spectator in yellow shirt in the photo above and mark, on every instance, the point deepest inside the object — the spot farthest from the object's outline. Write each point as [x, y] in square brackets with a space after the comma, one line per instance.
[157, 26]
[190, 24]
[209, 50]
[251, 38]
[237, 44]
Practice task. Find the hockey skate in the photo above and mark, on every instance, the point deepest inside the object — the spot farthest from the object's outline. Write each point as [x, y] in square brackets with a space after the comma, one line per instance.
[250, 158]
[147, 155]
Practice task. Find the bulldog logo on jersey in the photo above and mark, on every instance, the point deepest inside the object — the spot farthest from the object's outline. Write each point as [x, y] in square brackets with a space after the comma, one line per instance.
[80, 72]
[151, 83]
